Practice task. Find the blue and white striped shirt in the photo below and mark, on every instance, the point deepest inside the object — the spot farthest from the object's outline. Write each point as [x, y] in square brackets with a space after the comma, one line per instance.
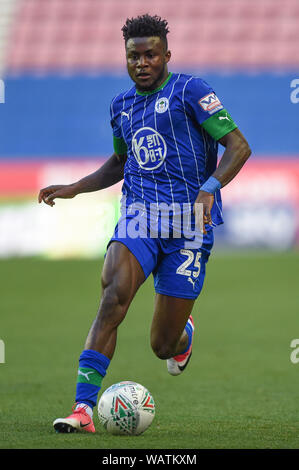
[170, 154]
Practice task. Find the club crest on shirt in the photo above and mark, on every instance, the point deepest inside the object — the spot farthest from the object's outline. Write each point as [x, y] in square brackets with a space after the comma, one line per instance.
[149, 148]
[162, 104]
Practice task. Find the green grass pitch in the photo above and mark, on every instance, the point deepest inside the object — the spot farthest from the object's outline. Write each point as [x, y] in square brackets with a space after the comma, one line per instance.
[240, 390]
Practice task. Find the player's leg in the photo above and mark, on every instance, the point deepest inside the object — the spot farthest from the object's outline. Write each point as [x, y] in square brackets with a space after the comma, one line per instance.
[121, 277]
[179, 279]
[168, 335]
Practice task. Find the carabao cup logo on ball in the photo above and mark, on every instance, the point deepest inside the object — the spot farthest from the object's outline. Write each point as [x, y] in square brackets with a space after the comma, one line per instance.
[149, 148]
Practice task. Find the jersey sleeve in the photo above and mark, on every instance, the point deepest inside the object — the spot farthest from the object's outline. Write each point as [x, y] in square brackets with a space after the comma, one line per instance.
[203, 105]
[119, 144]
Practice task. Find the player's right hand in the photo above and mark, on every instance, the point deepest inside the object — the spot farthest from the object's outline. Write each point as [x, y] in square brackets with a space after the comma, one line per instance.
[64, 191]
[207, 200]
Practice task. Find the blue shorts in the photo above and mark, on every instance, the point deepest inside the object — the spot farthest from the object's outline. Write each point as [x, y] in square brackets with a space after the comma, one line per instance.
[178, 269]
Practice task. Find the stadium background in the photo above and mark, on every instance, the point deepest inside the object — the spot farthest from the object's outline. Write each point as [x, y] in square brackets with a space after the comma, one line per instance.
[61, 62]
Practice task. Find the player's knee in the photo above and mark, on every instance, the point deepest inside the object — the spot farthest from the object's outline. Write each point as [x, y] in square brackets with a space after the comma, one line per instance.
[115, 288]
[161, 349]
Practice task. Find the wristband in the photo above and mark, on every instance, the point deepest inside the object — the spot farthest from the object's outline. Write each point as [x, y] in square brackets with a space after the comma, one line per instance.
[211, 185]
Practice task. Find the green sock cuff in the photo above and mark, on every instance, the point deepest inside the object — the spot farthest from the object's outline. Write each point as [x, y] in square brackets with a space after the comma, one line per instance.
[90, 376]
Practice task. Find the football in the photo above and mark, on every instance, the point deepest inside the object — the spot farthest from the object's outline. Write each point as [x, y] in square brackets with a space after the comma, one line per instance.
[126, 408]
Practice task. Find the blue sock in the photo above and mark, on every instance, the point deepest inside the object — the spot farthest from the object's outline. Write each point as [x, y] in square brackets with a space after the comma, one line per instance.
[189, 330]
[92, 369]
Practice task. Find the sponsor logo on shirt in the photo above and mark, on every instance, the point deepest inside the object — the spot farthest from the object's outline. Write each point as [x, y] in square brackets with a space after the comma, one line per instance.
[210, 103]
[221, 118]
[123, 113]
[149, 148]
[162, 104]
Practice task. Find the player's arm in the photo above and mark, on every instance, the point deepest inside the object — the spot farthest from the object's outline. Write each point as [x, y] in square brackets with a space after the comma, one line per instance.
[107, 175]
[204, 106]
[237, 151]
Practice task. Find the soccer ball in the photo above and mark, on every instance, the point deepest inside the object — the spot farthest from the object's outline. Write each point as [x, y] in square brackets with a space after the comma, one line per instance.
[126, 408]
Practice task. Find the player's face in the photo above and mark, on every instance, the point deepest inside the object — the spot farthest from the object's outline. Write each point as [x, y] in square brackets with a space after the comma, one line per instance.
[147, 60]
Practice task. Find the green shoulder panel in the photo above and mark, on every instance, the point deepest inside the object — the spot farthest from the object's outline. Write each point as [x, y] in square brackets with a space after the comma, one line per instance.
[219, 124]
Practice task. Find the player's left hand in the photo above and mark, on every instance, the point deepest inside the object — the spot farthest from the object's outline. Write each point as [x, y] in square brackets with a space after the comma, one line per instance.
[207, 200]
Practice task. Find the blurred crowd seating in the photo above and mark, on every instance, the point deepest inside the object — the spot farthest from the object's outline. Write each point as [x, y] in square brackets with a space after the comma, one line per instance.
[7, 17]
[69, 35]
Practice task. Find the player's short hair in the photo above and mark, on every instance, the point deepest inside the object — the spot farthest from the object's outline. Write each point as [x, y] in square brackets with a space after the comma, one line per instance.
[145, 26]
